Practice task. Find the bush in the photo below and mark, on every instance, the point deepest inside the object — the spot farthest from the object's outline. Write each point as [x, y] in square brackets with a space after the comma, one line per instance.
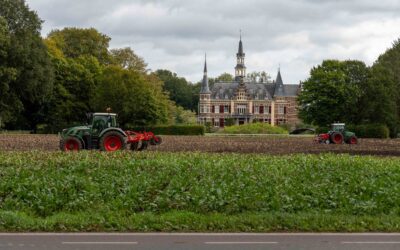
[370, 130]
[172, 129]
[254, 128]
[320, 130]
[229, 122]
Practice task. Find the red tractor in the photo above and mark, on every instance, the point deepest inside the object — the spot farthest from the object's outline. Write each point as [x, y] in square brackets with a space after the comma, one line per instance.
[103, 133]
[337, 135]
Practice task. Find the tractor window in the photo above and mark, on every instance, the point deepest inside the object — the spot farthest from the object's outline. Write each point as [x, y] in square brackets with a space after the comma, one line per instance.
[112, 122]
[99, 123]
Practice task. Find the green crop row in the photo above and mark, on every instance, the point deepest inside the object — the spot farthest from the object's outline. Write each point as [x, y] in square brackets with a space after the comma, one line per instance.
[43, 185]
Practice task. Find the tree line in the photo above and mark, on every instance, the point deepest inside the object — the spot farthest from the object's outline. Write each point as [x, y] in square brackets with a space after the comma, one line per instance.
[351, 92]
[50, 83]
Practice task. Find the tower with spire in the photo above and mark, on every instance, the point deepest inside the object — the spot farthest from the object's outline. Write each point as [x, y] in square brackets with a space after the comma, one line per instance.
[204, 84]
[240, 69]
[205, 95]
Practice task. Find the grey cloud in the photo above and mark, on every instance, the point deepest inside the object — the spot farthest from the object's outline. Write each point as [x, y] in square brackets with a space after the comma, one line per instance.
[174, 34]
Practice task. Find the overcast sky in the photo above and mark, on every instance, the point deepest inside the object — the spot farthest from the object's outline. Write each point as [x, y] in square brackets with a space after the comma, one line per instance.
[175, 34]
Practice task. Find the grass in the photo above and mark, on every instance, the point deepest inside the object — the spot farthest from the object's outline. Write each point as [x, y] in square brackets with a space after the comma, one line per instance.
[124, 191]
[254, 128]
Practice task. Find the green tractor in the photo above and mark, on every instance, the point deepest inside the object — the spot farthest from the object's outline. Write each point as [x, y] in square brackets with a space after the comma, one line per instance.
[102, 132]
[337, 135]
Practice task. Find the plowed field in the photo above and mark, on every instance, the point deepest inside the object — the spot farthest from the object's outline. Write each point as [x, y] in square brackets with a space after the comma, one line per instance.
[262, 144]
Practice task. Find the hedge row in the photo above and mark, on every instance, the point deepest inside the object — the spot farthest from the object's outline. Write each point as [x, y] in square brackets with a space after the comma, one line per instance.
[254, 128]
[370, 130]
[363, 131]
[172, 129]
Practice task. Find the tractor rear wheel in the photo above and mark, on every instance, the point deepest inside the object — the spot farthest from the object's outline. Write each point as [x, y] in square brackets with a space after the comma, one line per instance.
[336, 138]
[352, 140]
[70, 144]
[112, 141]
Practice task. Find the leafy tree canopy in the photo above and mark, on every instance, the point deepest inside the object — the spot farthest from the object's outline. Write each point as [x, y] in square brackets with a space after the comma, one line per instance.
[32, 81]
[76, 42]
[332, 92]
[127, 59]
[182, 92]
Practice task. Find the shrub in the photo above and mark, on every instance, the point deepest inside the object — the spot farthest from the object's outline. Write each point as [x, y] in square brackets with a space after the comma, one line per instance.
[370, 130]
[254, 128]
[172, 129]
[229, 122]
[320, 130]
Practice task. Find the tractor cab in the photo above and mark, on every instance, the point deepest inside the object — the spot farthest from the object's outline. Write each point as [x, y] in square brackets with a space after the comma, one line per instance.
[337, 127]
[101, 121]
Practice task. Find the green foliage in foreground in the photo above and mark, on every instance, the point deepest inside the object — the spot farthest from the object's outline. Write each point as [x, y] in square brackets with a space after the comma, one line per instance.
[95, 191]
[254, 128]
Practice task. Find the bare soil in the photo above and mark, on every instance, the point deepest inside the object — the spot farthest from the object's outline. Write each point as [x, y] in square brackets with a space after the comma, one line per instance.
[262, 144]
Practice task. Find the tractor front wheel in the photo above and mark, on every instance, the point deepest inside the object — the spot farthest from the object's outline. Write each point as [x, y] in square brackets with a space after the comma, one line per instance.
[336, 138]
[112, 141]
[70, 144]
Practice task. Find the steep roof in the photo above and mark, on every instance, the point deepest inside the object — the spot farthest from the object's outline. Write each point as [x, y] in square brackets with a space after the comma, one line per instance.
[240, 51]
[279, 90]
[256, 91]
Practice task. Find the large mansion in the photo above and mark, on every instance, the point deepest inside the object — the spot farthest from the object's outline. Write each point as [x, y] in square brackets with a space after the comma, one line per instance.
[245, 100]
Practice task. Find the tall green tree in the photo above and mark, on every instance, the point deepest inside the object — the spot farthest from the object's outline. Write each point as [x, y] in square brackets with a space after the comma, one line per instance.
[386, 76]
[9, 103]
[77, 42]
[333, 92]
[74, 87]
[180, 91]
[128, 93]
[32, 84]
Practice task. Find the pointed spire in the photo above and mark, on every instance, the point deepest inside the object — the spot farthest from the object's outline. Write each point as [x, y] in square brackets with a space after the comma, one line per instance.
[205, 63]
[279, 90]
[279, 77]
[240, 69]
[240, 51]
[204, 85]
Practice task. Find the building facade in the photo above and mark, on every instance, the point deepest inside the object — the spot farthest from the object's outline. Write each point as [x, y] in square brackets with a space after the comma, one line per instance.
[244, 100]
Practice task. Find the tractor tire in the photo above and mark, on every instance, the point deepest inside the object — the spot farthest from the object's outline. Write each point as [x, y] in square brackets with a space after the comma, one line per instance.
[352, 140]
[143, 146]
[70, 144]
[157, 140]
[336, 138]
[134, 146]
[112, 141]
